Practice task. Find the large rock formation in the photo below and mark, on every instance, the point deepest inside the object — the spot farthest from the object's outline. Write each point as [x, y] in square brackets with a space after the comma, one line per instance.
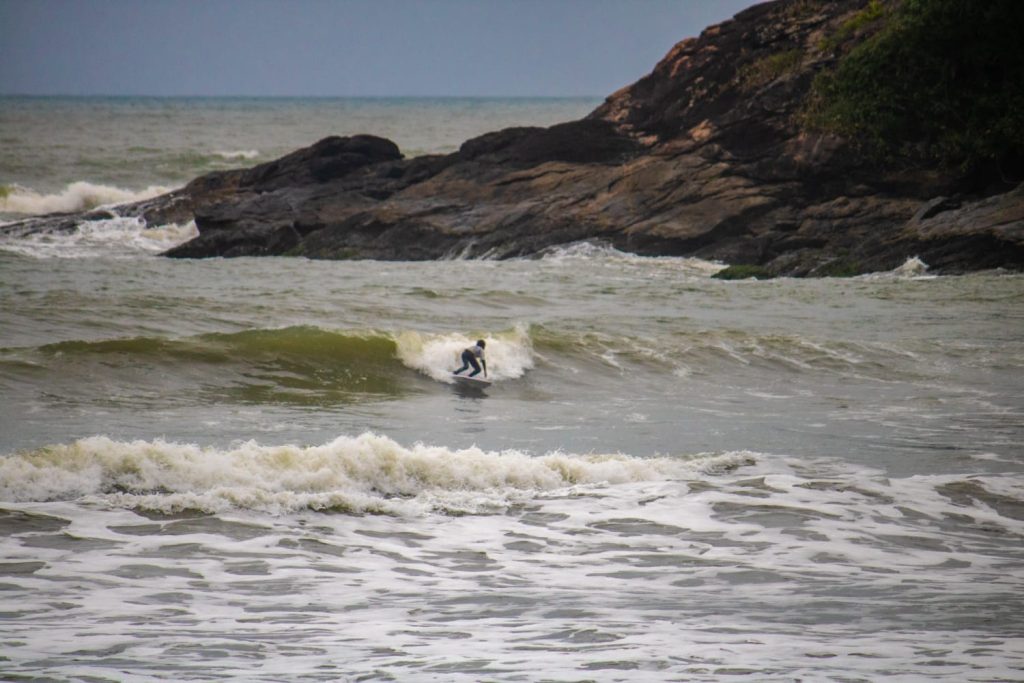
[706, 156]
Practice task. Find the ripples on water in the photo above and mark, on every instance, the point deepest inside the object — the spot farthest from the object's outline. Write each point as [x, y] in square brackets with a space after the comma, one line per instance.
[257, 469]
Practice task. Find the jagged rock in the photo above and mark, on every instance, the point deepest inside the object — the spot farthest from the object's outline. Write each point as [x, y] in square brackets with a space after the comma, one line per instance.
[706, 156]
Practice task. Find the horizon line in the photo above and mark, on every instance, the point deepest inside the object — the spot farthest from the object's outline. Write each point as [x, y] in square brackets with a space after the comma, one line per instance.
[302, 97]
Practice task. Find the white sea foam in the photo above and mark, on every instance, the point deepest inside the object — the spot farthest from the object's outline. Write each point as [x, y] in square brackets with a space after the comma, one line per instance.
[912, 267]
[368, 473]
[509, 355]
[118, 237]
[851, 570]
[589, 250]
[789, 568]
[78, 196]
[584, 250]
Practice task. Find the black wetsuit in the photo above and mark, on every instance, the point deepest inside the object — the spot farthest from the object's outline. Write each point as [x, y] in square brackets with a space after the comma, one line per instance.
[469, 357]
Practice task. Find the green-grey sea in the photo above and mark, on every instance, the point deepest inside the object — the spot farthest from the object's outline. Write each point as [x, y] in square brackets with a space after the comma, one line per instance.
[261, 469]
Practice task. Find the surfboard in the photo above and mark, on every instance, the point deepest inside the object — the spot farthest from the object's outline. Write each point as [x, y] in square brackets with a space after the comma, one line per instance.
[474, 382]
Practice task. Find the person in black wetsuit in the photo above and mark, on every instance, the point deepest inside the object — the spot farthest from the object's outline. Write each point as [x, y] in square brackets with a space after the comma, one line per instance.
[474, 356]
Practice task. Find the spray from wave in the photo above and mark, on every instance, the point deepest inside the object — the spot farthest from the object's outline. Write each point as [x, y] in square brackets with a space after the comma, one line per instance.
[509, 355]
[78, 196]
[367, 473]
[589, 250]
[913, 267]
[113, 237]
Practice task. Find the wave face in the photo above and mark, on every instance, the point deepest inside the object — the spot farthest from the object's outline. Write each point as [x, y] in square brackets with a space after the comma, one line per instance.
[310, 365]
[297, 365]
[288, 366]
[368, 473]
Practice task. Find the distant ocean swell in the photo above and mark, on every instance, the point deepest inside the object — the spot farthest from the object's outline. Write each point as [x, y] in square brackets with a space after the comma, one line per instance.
[364, 474]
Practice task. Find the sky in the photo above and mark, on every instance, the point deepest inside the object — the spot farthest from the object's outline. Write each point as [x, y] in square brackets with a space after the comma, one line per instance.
[348, 48]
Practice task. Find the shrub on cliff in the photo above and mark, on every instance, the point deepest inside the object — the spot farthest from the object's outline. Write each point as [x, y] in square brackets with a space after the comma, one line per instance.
[942, 82]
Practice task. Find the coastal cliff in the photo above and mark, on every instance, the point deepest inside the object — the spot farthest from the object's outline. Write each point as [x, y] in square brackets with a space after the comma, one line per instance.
[724, 151]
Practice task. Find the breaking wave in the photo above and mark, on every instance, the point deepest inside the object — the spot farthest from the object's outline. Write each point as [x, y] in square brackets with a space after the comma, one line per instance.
[119, 237]
[590, 250]
[434, 355]
[78, 196]
[309, 365]
[509, 355]
[366, 473]
[298, 365]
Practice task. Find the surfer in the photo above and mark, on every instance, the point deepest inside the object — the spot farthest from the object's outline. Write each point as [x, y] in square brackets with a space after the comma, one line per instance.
[474, 355]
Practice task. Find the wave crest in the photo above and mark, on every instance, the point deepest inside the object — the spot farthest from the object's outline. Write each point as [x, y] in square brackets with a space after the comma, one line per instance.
[247, 154]
[367, 473]
[590, 250]
[78, 196]
[509, 355]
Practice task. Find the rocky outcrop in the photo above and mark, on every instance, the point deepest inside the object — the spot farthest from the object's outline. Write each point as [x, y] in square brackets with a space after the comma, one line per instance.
[706, 156]
[496, 196]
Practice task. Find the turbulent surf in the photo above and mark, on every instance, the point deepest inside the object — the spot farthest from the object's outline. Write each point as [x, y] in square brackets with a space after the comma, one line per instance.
[261, 468]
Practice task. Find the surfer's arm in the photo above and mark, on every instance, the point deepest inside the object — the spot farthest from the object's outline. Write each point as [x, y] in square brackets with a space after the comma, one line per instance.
[484, 364]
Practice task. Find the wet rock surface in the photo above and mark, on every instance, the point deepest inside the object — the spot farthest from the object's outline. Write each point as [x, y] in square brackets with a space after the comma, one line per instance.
[706, 156]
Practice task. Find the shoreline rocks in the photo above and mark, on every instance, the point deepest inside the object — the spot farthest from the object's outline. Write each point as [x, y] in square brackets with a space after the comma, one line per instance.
[706, 156]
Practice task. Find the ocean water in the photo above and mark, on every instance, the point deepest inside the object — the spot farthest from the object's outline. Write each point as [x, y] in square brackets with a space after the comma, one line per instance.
[260, 469]
[75, 153]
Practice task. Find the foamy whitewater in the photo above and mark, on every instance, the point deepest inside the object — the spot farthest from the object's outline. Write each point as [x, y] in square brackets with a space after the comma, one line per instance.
[261, 469]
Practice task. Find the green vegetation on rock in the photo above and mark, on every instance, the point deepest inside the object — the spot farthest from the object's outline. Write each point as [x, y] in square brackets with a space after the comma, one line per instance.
[769, 68]
[743, 272]
[942, 81]
[854, 25]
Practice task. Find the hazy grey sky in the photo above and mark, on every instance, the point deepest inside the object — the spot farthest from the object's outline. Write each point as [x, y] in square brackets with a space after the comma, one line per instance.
[341, 47]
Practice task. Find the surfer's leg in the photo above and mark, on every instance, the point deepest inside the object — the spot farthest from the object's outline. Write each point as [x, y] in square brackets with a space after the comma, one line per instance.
[476, 367]
[467, 358]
